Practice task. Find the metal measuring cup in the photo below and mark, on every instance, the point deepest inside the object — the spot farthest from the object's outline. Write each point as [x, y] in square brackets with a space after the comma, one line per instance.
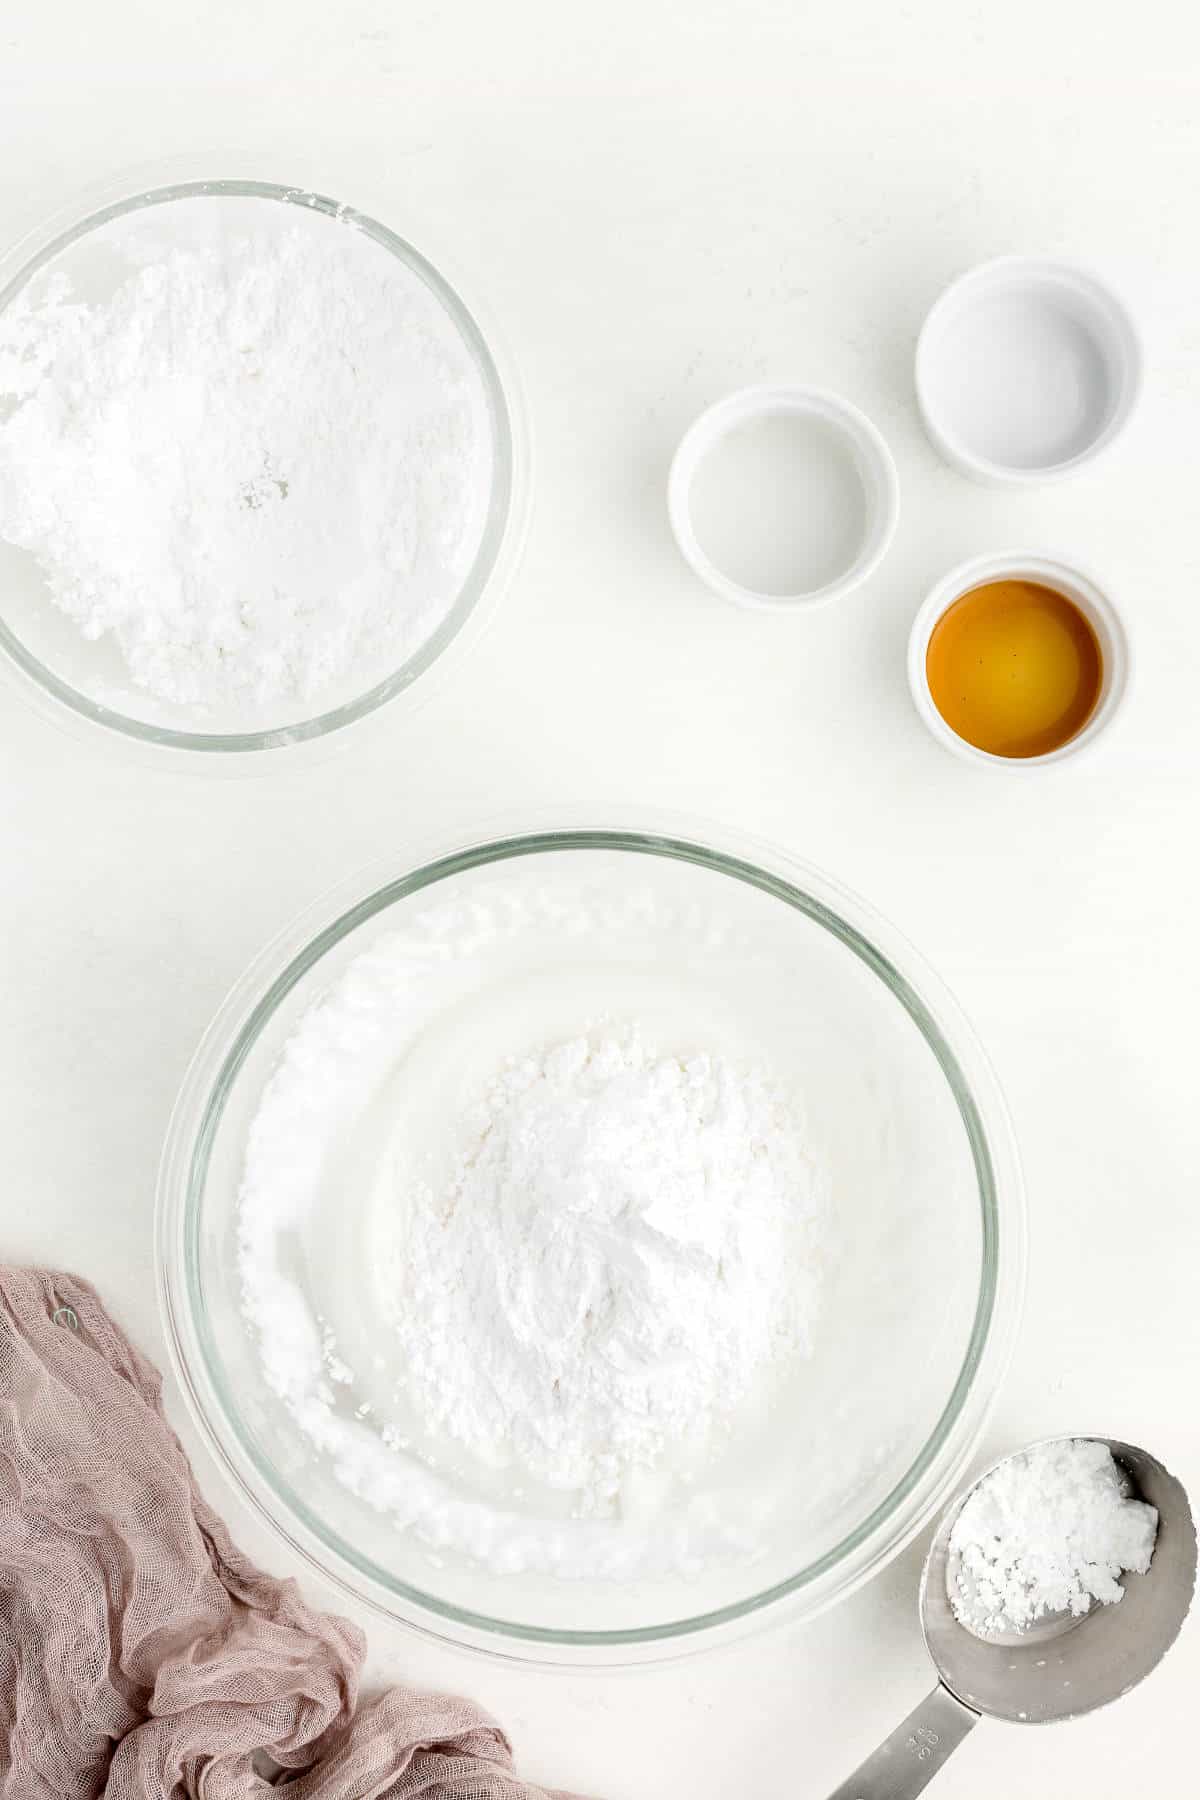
[1057, 1669]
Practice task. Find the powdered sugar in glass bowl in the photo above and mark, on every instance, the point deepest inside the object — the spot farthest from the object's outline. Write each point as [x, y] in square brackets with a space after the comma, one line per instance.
[258, 465]
[407, 992]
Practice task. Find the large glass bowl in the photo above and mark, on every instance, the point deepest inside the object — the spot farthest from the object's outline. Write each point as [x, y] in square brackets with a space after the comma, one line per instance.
[924, 1282]
[61, 669]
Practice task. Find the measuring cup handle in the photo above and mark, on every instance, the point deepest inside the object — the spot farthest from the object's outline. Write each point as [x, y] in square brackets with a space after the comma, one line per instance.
[907, 1761]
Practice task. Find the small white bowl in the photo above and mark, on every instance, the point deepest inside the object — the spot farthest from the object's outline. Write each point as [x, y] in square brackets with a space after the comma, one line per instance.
[1026, 369]
[848, 496]
[1092, 601]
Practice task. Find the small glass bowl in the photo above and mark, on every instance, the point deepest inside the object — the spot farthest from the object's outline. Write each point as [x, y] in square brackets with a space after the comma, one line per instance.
[45, 651]
[922, 1302]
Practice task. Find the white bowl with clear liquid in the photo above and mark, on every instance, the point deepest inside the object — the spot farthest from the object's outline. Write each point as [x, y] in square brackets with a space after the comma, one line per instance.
[782, 497]
[924, 1281]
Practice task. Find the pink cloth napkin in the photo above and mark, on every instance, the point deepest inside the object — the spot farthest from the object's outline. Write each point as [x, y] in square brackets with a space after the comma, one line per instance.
[141, 1656]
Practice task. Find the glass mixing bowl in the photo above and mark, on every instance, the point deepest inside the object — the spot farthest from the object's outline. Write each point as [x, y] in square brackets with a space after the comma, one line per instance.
[53, 662]
[925, 1268]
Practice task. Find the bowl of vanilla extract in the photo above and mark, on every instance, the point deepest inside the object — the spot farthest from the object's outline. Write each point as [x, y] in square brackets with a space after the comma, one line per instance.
[1018, 660]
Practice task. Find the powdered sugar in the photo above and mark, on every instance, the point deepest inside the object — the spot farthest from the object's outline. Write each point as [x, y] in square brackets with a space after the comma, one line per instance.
[534, 1308]
[623, 1246]
[1049, 1531]
[262, 465]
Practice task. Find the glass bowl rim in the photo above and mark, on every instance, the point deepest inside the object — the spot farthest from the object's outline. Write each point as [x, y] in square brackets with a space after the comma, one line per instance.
[890, 1525]
[507, 505]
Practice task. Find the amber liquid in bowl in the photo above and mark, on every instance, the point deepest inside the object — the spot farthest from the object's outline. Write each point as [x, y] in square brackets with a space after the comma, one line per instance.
[1015, 668]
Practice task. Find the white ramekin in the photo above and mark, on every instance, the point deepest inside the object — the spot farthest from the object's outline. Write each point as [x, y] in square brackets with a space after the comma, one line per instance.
[1091, 599]
[1026, 369]
[871, 456]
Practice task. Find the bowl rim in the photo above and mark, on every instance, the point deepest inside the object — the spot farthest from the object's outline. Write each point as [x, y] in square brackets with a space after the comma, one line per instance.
[507, 512]
[891, 1524]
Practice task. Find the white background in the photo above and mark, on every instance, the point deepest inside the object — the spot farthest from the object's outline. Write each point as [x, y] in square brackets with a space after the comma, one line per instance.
[658, 202]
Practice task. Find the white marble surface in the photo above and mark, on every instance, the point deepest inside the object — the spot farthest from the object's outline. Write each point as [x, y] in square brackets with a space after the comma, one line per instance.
[659, 203]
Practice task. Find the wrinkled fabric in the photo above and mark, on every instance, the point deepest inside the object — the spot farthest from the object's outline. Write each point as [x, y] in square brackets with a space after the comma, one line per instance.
[142, 1657]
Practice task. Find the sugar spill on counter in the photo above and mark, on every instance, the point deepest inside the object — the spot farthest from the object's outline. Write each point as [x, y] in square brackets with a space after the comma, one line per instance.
[1051, 1530]
[260, 465]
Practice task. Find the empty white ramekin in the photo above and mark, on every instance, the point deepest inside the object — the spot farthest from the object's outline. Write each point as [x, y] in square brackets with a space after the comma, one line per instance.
[866, 448]
[1026, 369]
[1092, 601]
